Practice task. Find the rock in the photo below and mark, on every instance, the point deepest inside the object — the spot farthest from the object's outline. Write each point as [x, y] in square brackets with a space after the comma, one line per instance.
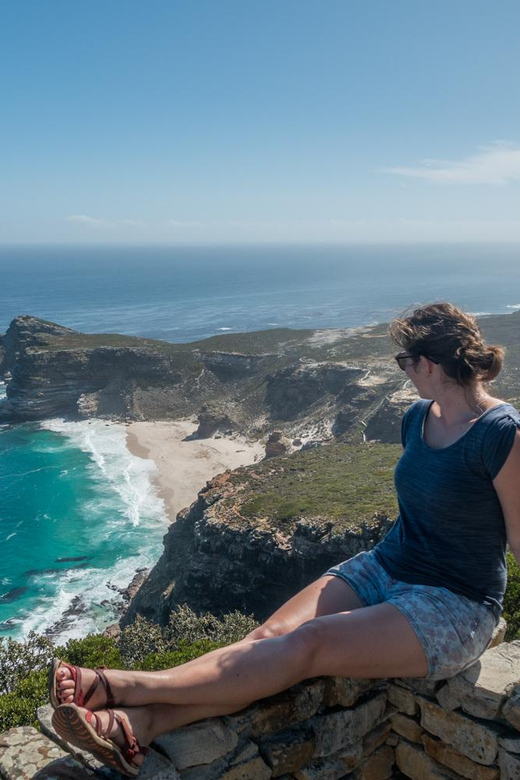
[509, 765]
[336, 730]
[415, 764]
[25, 753]
[277, 445]
[287, 751]
[406, 727]
[511, 710]
[345, 691]
[498, 634]
[451, 758]
[403, 699]
[467, 735]
[483, 688]
[378, 766]
[200, 743]
[293, 706]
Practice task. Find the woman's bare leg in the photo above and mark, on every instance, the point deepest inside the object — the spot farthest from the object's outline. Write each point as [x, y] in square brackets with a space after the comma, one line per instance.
[373, 642]
[326, 596]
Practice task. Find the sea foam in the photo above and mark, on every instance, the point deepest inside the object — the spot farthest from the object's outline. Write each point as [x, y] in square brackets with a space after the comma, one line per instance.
[127, 515]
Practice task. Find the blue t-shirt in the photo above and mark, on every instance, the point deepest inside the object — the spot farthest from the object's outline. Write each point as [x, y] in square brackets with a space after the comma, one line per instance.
[450, 531]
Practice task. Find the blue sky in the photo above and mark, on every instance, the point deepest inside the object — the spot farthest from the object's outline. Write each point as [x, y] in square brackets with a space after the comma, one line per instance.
[209, 121]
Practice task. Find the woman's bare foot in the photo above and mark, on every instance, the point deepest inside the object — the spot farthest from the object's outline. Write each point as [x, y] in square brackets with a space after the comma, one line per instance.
[66, 686]
[139, 720]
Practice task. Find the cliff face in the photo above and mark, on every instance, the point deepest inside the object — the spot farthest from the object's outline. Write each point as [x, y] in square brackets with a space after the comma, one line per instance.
[229, 552]
[299, 381]
[310, 384]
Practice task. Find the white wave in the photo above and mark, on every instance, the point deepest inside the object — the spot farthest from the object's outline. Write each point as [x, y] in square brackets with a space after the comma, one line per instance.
[223, 328]
[125, 510]
[125, 475]
[480, 313]
[91, 589]
[10, 536]
[513, 306]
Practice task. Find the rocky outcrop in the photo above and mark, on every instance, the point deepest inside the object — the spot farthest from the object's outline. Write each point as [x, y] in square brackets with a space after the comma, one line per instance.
[277, 445]
[216, 560]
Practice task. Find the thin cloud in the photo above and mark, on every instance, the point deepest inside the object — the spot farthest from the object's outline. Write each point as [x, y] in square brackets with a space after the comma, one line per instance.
[83, 219]
[176, 223]
[496, 164]
[98, 222]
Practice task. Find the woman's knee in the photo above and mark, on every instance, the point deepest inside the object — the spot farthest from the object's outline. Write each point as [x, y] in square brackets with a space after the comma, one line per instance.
[267, 630]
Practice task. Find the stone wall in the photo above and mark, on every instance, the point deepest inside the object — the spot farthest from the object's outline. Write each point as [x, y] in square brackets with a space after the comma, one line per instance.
[326, 729]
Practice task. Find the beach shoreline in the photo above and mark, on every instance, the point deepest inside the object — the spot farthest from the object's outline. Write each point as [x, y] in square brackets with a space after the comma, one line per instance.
[184, 465]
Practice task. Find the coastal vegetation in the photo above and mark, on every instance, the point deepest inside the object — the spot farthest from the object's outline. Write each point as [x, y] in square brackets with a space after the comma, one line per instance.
[142, 645]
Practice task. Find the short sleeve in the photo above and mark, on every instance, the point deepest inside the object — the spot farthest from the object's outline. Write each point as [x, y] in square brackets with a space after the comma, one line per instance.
[498, 442]
[404, 427]
[407, 418]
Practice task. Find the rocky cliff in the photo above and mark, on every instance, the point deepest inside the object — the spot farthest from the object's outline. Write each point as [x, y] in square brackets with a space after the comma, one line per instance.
[310, 383]
[257, 535]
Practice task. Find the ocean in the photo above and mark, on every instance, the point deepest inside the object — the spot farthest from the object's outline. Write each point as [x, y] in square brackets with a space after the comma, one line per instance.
[78, 513]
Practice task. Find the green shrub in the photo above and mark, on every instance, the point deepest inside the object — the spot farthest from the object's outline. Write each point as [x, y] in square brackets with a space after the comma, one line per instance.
[18, 708]
[143, 639]
[91, 651]
[18, 659]
[512, 599]
[186, 652]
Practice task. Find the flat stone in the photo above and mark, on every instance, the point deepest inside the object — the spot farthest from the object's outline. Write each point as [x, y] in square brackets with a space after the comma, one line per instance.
[345, 691]
[447, 699]
[331, 767]
[375, 738]
[415, 764]
[510, 742]
[484, 687]
[403, 699]
[287, 752]
[200, 743]
[336, 730]
[470, 737]
[511, 710]
[509, 766]
[255, 769]
[378, 766]
[499, 633]
[290, 707]
[419, 685]
[406, 727]
[451, 758]
[25, 752]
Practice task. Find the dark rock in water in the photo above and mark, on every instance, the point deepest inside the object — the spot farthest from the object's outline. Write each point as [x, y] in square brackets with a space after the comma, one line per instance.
[12, 595]
[6, 625]
[69, 560]
[77, 607]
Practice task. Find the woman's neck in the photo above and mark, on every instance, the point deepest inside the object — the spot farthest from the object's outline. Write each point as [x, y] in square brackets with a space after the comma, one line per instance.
[460, 405]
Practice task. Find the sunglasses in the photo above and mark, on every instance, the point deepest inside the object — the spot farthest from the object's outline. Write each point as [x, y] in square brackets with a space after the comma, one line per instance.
[403, 357]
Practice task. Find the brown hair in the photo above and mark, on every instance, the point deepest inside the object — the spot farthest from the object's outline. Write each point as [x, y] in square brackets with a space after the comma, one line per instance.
[450, 337]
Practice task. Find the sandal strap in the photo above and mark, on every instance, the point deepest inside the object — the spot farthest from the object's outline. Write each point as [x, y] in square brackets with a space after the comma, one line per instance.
[132, 746]
[108, 690]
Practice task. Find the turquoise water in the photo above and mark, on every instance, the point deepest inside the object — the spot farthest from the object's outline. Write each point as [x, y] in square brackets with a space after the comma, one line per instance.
[72, 490]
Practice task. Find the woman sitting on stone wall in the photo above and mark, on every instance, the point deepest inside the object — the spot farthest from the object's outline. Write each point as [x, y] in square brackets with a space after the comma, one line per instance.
[423, 603]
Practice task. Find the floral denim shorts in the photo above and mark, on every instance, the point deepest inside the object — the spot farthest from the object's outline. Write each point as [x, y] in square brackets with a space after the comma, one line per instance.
[453, 630]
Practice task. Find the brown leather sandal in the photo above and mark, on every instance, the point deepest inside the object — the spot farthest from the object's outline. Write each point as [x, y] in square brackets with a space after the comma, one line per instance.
[86, 732]
[81, 699]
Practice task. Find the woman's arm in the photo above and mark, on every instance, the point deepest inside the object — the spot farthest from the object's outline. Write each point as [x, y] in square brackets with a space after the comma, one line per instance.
[507, 485]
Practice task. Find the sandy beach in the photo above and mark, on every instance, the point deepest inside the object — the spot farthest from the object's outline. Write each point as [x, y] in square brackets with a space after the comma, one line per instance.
[184, 467]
